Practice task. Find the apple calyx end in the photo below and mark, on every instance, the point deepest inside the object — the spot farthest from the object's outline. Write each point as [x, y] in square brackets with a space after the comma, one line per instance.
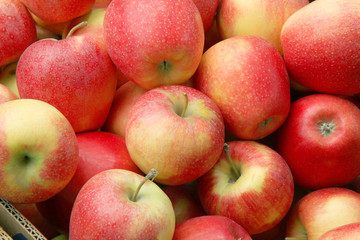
[164, 66]
[326, 128]
[150, 176]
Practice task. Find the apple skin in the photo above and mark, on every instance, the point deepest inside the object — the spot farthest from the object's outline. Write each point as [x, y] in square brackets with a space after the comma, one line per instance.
[185, 202]
[181, 149]
[125, 97]
[321, 158]
[247, 78]
[210, 227]
[158, 47]
[320, 45]
[321, 211]
[260, 198]
[17, 30]
[58, 11]
[8, 77]
[76, 75]
[38, 151]
[207, 9]
[104, 209]
[6, 94]
[260, 18]
[344, 232]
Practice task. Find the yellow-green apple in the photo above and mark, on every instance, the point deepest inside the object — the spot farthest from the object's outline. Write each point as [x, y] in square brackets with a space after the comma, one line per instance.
[321, 144]
[247, 78]
[125, 97]
[154, 42]
[75, 74]
[38, 151]
[98, 151]
[207, 11]
[58, 11]
[110, 205]
[6, 94]
[185, 202]
[251, 184]
[321, 46]
[17, 30]
[260, 18]
[211, 227]
[8, 77]
[345, 232]
[177, 130]
[321, 211]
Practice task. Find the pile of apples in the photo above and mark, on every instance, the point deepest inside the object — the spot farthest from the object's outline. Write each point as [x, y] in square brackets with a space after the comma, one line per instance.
[182, 119]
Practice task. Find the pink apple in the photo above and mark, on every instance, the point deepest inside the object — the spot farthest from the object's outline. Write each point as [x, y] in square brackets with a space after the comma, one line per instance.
[6, 94]
[210, 227]
[260, 18]
[207, 9]
[344, 232]
[321, 46]
[76, 75]
[177, 130]
[154, 42]
[58, 11]
[320, 141]
[321, 211]
[108, 207]
[38, 151]
[17, 30]
[251, 184]
[125, 97]
[247, 78]
[185, 202]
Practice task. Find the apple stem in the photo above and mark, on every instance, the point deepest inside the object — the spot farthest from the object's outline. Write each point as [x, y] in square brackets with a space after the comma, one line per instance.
[76, 27]
[186, 104]
[151, 175]
[226, 150]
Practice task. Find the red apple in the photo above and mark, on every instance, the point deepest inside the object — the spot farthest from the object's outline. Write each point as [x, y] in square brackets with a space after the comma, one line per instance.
[247, 78]
[207, 9]
[17, 30]
[154, 42]
[110, 206]
[76, 75]
[344, 232]
[38, 151]
[251, 184]
[321, 211]
[321, 46]
[320, 141]
[210, 227]
[125, 97]
[177, 130]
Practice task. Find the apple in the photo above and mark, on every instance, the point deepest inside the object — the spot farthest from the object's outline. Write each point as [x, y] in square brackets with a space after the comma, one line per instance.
[6, 94]
[321, 211]
[17, 30]
[251, 184]
[56, 28]
[119, 202]
[260, 18]
[98, 151]
[38, 151]
[211, 227]
[320, 46]
[185, 202]
[101, 3]
[320, 141]
[344, 232]
[247, 78]
[154, 42]
[207, 11]
[125, 97]
[58, 11]
[8, 77]
[75, 74]
[177, 130]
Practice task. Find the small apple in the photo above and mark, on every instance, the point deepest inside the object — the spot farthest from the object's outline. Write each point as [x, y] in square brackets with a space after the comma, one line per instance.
[8, 77]
[321, 144]
[210, 227]
[120, 203]
[251, 184]
[6, 94]
[344, 232]
[177, 130]
[38, 151]
[207, 9]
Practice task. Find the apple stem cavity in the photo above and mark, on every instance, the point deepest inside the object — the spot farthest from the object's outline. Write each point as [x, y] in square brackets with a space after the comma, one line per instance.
[186, 104]
[151, 175]
[232, 164]
[76, 27]
[326, 128]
